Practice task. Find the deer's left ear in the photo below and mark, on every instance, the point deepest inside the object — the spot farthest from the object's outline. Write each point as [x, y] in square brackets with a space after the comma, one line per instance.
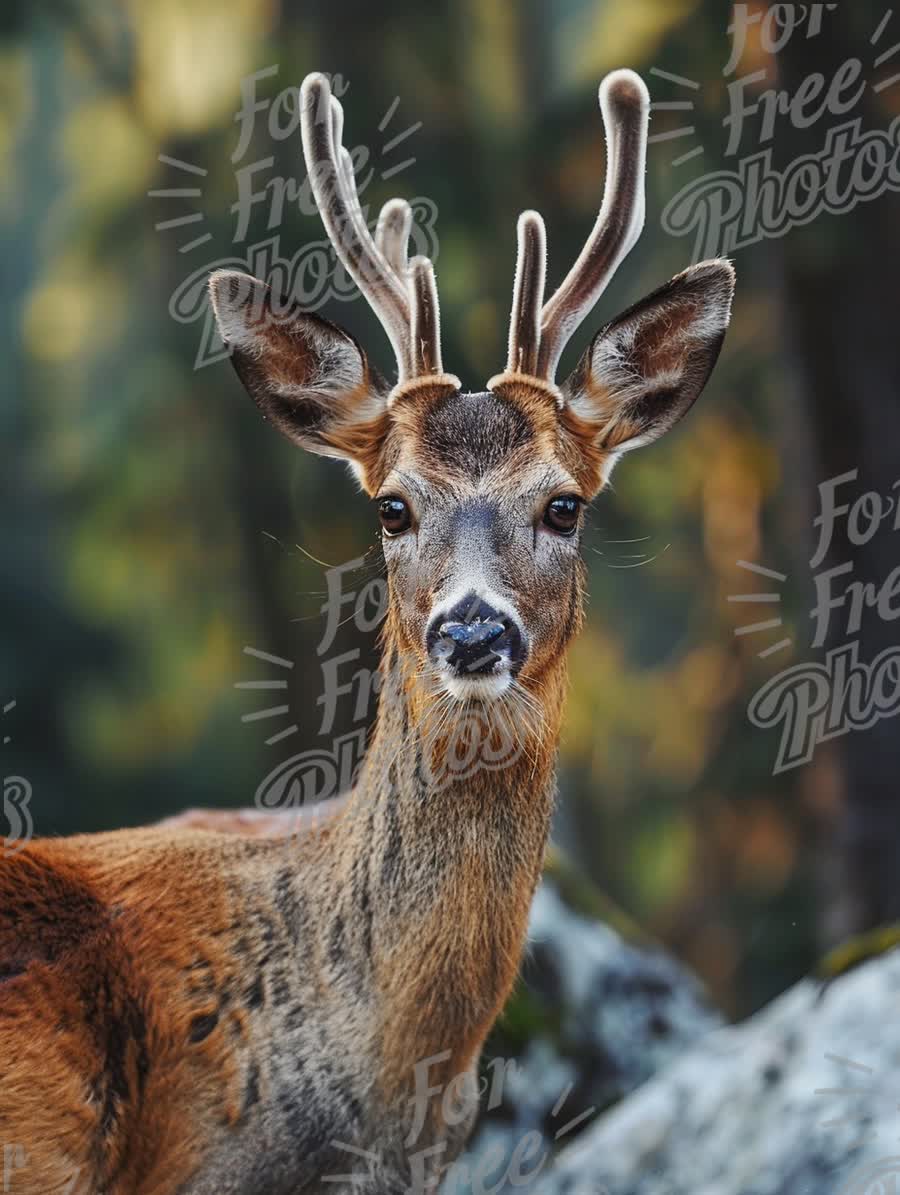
[306, 375]
[644, 370]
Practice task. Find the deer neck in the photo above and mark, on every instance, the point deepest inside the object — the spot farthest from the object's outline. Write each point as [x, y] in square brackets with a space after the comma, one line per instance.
[448, 850]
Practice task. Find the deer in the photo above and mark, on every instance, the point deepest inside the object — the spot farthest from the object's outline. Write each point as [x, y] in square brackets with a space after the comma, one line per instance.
[244, 1002]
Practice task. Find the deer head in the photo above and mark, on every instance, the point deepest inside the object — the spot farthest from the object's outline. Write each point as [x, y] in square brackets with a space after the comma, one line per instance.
[480, 495]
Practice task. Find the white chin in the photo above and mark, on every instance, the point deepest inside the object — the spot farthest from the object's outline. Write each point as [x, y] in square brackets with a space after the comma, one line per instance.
[483, 688]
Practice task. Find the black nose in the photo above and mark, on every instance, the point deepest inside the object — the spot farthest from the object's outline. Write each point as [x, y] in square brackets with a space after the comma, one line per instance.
[473, 637]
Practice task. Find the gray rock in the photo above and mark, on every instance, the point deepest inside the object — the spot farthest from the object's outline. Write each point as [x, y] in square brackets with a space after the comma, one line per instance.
[802, 1099]
[629, 1006]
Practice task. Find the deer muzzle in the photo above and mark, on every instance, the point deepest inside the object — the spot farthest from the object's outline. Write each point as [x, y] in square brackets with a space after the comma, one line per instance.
[475, 639]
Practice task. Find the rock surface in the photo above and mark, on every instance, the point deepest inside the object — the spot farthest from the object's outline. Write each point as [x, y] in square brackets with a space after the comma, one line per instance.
[801, 1099]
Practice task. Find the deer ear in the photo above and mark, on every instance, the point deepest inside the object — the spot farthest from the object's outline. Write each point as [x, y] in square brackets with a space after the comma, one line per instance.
[306, 375]
[645, 370]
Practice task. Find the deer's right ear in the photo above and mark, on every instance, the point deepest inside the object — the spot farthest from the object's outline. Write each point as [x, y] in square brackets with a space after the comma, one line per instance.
[646, 368]
[306, 375]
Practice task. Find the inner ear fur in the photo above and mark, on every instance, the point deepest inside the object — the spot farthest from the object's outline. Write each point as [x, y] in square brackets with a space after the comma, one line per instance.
[306, 375]
[646, 368]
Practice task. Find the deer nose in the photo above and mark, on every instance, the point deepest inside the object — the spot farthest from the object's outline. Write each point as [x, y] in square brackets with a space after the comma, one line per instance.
[475, 639]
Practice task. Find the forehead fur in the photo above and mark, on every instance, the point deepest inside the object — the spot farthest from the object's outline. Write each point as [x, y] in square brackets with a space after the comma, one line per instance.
[450, 435]
[473, 434]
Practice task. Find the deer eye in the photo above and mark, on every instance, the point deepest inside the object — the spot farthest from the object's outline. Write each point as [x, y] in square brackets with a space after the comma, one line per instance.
[561, 514]
[395, 515]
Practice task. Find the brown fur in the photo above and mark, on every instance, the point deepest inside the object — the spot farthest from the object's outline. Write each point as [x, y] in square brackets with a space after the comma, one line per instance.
[128, 1019]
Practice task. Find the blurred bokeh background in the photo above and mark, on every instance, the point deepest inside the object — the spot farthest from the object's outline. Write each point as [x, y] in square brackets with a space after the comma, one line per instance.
[153, 527]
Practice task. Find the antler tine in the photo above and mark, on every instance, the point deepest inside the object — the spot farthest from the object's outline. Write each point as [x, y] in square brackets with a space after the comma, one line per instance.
[335, 194]
[347, 180]
[356, 214]
[624, 104]
[426, 320]
[392, 235]
[528, 295]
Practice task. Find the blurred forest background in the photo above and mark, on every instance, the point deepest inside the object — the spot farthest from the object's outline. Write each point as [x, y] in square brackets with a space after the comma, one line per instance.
[153, 527]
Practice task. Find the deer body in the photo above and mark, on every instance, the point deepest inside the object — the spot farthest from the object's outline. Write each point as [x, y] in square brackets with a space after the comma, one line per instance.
[189, 1012]
[217, 1014]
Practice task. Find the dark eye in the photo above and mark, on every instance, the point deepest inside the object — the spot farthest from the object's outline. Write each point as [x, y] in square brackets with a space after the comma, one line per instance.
[395, 515]
[561, 515]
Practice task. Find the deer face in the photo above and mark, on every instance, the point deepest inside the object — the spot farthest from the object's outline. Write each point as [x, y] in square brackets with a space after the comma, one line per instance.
[480, 495]
[480, 514]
